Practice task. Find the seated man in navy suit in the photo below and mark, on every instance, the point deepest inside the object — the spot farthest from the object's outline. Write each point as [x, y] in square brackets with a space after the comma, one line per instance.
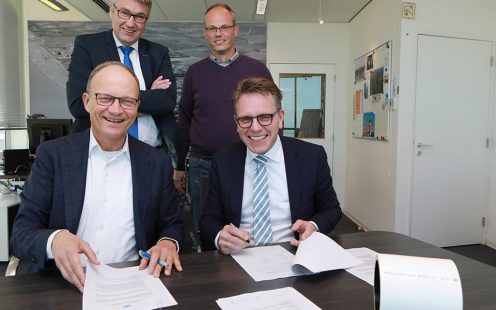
[100, 192]
[267, 187]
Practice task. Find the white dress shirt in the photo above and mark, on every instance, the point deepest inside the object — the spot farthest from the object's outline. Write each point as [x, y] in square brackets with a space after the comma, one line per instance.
[280, 212]
[147, 129]
[107, 220]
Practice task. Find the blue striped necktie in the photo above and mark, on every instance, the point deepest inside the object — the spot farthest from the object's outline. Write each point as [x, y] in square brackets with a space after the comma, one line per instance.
[262, 228]
[126, 50]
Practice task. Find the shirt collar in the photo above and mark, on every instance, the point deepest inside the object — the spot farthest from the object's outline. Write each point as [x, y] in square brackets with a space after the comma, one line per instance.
[118, 43]
[274, 153]
[227, 62]
[94, 146]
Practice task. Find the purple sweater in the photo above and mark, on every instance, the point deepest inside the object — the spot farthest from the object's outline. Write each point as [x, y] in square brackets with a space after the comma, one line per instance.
[206, 110]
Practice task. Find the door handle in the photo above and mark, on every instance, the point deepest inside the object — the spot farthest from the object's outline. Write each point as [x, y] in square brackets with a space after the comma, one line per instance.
[421, 145]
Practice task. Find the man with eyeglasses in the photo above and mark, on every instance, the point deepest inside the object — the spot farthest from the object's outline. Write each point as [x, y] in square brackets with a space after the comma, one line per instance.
[205, 107]
[100, 195]
[267, 188]
[156, 123]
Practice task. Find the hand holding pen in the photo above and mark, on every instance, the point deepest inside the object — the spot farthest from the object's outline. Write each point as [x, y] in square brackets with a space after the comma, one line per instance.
[232, 239]
[162, 255]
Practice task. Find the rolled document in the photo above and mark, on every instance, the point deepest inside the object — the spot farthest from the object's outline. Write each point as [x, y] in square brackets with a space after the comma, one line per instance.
[408, 282]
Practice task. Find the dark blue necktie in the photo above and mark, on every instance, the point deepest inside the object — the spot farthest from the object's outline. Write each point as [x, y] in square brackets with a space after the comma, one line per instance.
[126, 50]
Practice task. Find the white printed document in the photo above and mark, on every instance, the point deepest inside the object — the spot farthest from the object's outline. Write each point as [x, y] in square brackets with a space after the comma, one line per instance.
[411, 283]
[282, 298]
[315, 254]
[364, 271]
[123, 288]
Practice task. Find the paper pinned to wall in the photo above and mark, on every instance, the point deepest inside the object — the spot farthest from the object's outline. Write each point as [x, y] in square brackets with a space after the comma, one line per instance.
[372, 94]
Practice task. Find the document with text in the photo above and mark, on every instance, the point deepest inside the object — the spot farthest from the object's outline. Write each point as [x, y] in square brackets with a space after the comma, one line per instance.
[315, 254]
[123, 288]
[364, 271]
[282, 298]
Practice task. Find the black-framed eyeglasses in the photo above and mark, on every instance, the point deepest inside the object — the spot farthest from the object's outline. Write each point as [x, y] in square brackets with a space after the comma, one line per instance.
[125, 14]
[106, 100]
[223, 29]
[262, 119]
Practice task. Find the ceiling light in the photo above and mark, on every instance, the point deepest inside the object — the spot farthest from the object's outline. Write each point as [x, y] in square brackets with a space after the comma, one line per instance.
[261, 4]
[54, 5]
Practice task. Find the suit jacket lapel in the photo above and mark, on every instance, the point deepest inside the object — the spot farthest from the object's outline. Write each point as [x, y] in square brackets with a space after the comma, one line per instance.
[237, 171]
[74, 164]
[293, 176]
[112, 53]
[145, 63]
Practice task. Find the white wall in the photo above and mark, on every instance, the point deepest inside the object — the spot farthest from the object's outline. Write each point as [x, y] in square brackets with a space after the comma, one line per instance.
[464, 19]
[35, 10]
[313, 43]
[371, 165]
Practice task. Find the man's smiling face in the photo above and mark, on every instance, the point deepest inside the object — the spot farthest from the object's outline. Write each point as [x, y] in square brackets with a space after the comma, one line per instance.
[259, 139]
[128, 31]
[109, 124]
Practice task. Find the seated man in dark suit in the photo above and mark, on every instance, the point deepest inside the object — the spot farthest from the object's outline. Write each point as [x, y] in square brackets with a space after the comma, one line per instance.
[99, 192]
[270, 187]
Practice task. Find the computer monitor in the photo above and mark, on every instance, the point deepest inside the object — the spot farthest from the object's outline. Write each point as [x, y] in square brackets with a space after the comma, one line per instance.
[44, 129]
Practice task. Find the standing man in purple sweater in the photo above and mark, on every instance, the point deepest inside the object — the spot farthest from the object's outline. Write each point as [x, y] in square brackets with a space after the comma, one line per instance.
[205, 111]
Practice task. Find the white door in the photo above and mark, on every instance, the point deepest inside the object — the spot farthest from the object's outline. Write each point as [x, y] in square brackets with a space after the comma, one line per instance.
[451, 165]
[329, 71]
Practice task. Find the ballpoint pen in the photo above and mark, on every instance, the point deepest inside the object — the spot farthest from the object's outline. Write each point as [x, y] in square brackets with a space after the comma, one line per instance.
[148, 257]
[250, 241]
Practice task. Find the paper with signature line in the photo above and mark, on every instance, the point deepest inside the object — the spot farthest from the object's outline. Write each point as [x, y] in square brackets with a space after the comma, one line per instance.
[123, 288]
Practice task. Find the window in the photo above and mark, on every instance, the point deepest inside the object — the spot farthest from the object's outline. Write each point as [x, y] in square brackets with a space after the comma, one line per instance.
[304, 104]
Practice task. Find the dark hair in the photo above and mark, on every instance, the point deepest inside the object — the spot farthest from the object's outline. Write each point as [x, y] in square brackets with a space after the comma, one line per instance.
[101, 66]
[257, 85]
[224, 6]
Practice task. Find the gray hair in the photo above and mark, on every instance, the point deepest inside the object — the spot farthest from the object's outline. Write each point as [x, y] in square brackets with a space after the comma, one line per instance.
[101, 66]
[147, 3]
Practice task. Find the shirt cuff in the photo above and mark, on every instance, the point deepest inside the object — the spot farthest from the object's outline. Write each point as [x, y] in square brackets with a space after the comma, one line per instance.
[217, 240]
[170, 239]
[49, 243]
[316, 226]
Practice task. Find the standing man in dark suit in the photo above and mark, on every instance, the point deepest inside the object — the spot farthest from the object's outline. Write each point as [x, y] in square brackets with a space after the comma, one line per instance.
[270, 187]
[150, 62]
[99, 195]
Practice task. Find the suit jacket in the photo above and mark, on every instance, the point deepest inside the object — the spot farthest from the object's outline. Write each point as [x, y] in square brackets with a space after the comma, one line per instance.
[311, 195]
[90, 50]
[53, 196]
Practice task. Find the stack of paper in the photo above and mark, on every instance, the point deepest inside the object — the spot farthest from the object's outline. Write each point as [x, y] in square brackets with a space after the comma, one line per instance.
[315, 254]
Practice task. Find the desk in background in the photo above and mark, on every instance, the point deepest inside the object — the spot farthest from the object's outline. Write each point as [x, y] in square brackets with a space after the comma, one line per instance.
[9, 204]
[210, 275]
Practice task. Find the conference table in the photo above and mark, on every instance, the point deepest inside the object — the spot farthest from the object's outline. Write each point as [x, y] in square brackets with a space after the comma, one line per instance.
[209, 276]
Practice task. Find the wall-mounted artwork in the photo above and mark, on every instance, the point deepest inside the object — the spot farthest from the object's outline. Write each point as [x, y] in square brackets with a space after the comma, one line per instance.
[372, 94]
[51, 44]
